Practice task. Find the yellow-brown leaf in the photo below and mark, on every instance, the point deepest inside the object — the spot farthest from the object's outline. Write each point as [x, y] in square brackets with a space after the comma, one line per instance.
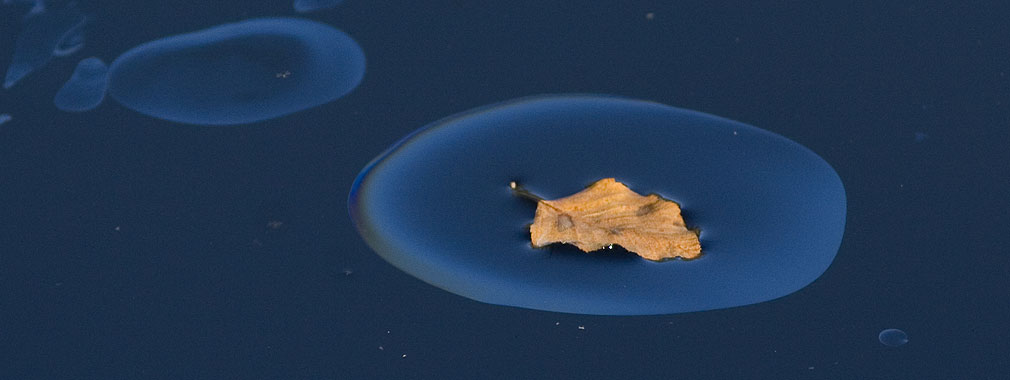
[609, 213]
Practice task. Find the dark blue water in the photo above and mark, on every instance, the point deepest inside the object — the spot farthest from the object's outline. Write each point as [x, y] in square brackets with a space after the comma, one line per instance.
[135, 247]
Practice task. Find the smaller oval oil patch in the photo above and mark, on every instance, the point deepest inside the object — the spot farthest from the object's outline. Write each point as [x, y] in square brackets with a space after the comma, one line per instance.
[238, 73]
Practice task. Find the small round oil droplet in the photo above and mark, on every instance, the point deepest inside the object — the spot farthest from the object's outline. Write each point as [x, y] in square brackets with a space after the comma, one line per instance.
[893, 337]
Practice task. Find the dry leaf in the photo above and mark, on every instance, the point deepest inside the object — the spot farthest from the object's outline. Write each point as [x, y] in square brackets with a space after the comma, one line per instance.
[609, 213]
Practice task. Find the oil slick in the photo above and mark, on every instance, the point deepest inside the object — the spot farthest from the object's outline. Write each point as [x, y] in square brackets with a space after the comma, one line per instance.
[45, 34]
[238, 73]
[306, 6]
[435, 205]
[86, 87]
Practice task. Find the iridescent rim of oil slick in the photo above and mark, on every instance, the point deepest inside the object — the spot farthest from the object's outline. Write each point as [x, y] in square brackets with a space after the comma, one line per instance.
[437, 206]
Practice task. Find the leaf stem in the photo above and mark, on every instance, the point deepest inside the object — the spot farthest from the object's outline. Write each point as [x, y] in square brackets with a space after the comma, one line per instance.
[523, 193]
